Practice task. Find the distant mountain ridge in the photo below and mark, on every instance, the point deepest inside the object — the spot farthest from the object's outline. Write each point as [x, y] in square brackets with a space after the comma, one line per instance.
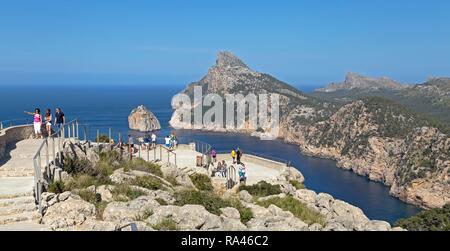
[356, 81]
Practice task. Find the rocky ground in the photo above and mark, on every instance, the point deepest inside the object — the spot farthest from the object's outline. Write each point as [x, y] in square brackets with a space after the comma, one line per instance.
[150, 197]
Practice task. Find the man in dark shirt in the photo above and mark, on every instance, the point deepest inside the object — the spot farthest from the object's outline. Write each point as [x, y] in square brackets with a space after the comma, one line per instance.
[60, 119]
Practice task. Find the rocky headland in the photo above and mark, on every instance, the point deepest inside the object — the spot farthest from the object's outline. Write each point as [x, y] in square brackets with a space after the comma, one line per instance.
[371, 136]
[102, 190]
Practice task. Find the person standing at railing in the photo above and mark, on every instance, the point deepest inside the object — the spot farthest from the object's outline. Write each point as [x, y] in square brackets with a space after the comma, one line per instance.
[48, 122]
[60, 119]
[37, 122]
[131, 146]
[239, 155]
[233, 156]
[214, 155]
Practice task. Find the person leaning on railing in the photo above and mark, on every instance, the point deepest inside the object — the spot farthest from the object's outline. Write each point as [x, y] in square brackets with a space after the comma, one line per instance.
[60, 119]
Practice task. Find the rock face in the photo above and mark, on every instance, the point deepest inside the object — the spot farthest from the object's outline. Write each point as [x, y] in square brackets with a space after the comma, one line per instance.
[142, 119]
[356, 81]
[372, 137]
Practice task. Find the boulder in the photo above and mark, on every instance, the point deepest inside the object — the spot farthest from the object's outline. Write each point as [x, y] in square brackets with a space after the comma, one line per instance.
[70, 212]
[105, 192]
[126, 212]
[245, 196]
[142, 119]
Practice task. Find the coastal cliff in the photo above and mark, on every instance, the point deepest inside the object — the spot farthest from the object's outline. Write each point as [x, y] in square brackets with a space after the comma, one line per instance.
[372, 137]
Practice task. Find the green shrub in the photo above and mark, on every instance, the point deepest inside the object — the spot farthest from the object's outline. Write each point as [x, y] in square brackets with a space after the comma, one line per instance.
[211, 202]
[431, 220]
[245, 212]
[161, 202]
[142, 165]
[262, 189]
[299, 209]
[202, 182]
[148, 182]
[166, 225]
[77, 166]
[103, 138]
[297, 184]
[57, 187]
[143, 216]
[126, 193]
[89, 196]
[81, 182]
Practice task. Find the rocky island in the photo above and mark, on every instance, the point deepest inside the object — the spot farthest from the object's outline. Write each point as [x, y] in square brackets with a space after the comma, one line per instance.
[143, 120]
[371, 136]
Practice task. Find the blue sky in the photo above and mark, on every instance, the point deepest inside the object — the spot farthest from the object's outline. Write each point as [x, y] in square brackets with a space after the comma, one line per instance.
[301, 42]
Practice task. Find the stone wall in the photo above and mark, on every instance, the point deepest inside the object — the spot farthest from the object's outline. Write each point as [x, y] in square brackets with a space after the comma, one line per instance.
[248, 158]
[11, 135]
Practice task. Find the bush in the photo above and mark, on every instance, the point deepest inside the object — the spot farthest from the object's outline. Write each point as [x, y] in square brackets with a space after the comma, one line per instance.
[77, 166]
[166, 225]
[57, 187]
[212, 203]
[89, 196]
[126, 193]
[262, 189]
[81, 182]
[202, 182]
[299, 209]
[142, 165]
[297, 184]
[145, 215]
[431, 220]
[103, 138]
[148, 182]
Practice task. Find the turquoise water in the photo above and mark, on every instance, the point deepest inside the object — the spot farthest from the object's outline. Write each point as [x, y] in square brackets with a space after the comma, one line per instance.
[102, 107]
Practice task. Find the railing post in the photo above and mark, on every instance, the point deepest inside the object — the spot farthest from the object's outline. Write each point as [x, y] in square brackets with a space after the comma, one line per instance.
[154, 154]
[160, 153]
[148, 154]
[98, 136]
[68, 131]
[73, 130]
[139, 150]
[54, 150]
[47, 161]
[109, 134]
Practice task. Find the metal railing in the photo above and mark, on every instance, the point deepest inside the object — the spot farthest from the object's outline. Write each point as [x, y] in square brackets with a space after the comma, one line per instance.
[231, 177]
[52, 156]
[13, 122]
[264, 156]
[205, 149]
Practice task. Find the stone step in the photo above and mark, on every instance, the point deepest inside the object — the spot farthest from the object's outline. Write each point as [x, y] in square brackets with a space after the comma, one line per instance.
[17, 201]
[16, 195]
[17, 173]
[17, 209]
[20, 217]
[24, 226]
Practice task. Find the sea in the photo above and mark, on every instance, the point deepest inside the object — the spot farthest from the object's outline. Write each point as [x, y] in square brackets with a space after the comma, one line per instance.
[108, 106]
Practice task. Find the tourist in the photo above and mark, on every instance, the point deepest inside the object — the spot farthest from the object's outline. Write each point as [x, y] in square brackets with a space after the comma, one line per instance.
[48, 122]
[147, 142]
[37, 122]
[242, 174]
[153, 140]
[167, 141]
[214, 155]
[174, 141]
[60, 119]
[224, 169]
[239, 155]
[233, 156]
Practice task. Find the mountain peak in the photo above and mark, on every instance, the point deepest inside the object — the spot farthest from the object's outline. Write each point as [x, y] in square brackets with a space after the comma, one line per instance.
[227, 59]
